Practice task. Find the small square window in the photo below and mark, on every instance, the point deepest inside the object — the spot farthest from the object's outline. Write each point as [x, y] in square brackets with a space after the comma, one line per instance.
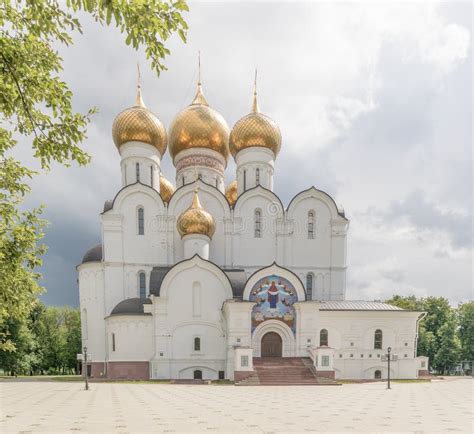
[352, 344]
[378, 355]
[325, 361]
[238, 340]
[406, 344]
[423, 364]
[161, 354]
[244, 361]
[406, 355]
[361, 355]
[370, 356]
[221, 375]
[340, 356]
[352, 355]
[308, 340]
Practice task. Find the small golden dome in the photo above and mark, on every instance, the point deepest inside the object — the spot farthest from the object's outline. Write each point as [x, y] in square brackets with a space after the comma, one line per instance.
[138, 124]
[166, 189]
[255, 129]
[196, 220]
[199, 126]
[231, 193]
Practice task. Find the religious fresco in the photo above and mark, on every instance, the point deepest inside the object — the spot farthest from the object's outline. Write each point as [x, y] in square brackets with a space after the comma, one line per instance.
[274, 296]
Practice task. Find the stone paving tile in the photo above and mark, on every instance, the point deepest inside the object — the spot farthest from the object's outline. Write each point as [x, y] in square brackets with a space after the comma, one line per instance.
[439, 406]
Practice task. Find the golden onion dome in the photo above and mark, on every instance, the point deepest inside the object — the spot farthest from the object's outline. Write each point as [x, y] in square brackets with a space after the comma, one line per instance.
[231, 193]
[199, 126]
[166, 189]
[138, 124]
[255, 129]
[196, 220]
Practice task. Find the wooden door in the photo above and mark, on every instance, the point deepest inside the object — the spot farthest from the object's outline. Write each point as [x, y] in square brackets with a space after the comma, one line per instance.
[271, 345]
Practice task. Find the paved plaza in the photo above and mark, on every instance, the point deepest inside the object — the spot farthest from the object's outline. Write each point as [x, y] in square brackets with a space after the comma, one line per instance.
[439, 406]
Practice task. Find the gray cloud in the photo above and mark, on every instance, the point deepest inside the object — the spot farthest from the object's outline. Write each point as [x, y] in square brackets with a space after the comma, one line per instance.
[374, 104]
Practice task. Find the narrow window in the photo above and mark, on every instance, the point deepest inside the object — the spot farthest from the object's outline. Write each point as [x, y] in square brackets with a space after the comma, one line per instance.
[309, 286]
[258, 224]
[142, 284]
[324, 360]
[141, 221]
[200, 177]
[217, 183]
[197, 344]
[378, 374]
[197, 374]
[137, 171]
[151, 176]
[245, 180]
[323, 338]
[378, 337]
[182, 180]
[113, 341]
[257, 176]
[311, 225]
[244, 361]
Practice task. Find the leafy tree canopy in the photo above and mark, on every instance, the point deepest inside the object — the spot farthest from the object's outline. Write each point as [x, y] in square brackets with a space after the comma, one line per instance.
[37, 105]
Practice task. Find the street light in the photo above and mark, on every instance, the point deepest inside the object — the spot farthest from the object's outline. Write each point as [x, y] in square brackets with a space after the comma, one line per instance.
[389, 350]
[84, 368]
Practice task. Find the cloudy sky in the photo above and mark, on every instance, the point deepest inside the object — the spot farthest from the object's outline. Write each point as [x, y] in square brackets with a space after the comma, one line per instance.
[374, 104]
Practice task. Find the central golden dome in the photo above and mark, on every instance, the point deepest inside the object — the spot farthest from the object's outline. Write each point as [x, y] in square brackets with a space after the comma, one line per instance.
[138, 124]
[199, 126]
[196, 220]
[255, 129]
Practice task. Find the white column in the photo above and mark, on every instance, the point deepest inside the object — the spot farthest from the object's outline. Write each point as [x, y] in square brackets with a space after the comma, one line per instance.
[255, 166]
[196, 244]
[148, 160]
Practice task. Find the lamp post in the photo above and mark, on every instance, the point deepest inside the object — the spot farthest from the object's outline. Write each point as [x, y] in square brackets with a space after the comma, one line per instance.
[85, 368]
[389, 350]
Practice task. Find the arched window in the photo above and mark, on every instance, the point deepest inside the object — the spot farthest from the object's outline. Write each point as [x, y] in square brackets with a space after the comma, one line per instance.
[311, 225]
[151, 176]
[378, 374]
[258, 224]
[257, 176]
[323, 338]
[141, 221]
[200, 176]
[137, 171]
[309, 286]
[217, 182]
[197, 344]
[245, 180]
[182, 180]
[378, 338]
[113, 341]
[197, 374]
[142, 284]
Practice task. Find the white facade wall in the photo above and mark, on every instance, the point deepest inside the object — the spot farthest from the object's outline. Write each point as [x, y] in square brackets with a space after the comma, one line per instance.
[133, 335]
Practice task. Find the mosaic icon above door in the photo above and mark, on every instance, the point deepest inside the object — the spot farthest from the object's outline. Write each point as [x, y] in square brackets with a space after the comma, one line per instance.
[275, 297]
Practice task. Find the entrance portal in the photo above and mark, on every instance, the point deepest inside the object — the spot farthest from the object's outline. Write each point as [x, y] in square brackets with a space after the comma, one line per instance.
[271, 345]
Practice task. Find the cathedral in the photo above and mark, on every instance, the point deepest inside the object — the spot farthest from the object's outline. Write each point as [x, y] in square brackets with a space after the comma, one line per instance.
[205, 281]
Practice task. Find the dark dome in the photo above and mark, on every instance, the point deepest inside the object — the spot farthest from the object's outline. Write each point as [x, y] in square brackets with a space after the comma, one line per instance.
[93, 255]
[131, 306]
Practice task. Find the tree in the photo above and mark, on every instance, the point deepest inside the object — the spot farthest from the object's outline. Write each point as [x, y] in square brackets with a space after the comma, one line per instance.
[466, 330]
[447, 354]
[36, 105]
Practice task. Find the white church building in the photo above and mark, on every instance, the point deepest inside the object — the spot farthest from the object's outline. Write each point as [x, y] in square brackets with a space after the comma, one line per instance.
[207, 281]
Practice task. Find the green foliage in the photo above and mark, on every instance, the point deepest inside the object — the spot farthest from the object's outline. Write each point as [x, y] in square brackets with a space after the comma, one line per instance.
[446, 334]
[466, 330]
[36, 105]
[47, 341]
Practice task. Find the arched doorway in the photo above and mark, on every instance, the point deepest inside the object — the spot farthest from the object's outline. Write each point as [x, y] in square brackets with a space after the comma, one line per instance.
[271, 345]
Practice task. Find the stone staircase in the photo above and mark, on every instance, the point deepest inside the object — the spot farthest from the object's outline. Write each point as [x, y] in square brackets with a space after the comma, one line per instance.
[275, 371]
